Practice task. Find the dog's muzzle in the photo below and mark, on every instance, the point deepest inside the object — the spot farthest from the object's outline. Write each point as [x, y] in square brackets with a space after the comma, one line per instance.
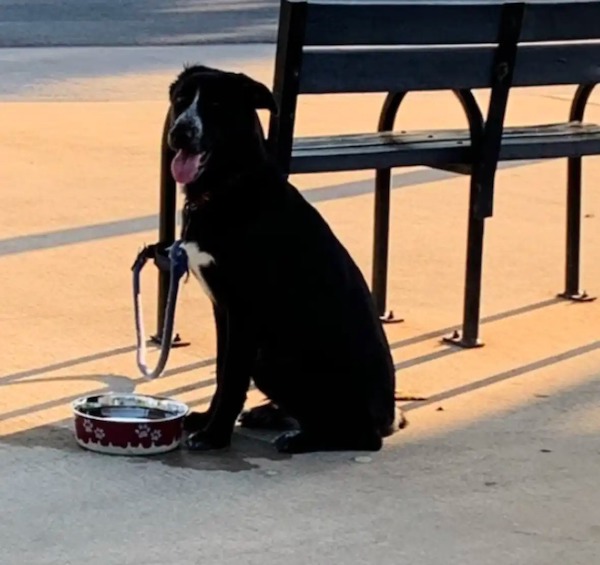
[184, 136]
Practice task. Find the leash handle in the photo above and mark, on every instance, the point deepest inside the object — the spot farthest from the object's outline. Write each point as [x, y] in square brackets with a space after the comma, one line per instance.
[179, 267]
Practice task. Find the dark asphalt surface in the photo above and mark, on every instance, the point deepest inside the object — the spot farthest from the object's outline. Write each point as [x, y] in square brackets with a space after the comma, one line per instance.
[43, 23]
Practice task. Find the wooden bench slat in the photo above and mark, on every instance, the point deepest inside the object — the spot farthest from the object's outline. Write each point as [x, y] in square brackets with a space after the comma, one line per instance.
[393, 23]
[334, 70]
[430, 148]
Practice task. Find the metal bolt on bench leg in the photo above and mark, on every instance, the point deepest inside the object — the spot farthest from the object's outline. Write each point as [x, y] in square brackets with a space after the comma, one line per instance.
[577, 297]
[465, 343]
[389, 317]
[177, 341]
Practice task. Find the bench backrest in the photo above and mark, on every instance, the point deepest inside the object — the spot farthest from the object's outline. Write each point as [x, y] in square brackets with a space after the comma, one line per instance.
[333, 46]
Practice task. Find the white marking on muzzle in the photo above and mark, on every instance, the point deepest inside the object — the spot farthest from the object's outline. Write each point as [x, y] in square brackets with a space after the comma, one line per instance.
[191, 118]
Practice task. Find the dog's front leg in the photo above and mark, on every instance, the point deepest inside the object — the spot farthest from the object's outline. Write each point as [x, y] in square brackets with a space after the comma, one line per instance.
[233, 381]
[197, 421]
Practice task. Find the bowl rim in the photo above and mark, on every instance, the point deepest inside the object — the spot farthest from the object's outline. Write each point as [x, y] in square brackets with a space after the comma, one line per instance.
[183, 408]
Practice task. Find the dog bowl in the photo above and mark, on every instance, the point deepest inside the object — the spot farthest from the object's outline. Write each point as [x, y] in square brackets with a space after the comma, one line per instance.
[128, 424]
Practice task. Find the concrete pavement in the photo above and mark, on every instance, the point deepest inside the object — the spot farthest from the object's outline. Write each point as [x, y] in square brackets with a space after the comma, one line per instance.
[499, 464]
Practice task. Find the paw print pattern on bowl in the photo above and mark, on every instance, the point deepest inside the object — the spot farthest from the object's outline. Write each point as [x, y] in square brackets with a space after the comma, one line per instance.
[123, 429]
[142, 431]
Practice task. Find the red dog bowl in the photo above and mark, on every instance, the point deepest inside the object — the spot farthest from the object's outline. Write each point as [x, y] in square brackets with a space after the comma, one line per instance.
[128, 424]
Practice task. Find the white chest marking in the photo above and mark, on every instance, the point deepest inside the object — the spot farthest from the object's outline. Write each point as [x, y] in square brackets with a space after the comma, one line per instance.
[196, 261]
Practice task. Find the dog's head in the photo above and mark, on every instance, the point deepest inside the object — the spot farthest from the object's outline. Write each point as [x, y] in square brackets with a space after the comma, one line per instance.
[213, 121]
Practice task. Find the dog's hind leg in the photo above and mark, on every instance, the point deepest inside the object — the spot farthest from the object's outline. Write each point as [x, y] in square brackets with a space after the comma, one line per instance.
[268, 416]
[331, 427]
[267, 377]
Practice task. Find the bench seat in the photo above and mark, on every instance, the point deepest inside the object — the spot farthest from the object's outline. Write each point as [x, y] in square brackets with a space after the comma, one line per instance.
[432, 147]
[393, 48]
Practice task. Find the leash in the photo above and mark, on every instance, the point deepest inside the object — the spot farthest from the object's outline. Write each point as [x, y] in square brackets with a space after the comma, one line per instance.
[178, 266]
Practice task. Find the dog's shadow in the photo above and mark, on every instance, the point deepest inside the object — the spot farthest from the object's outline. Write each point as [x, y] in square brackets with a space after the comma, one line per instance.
[239, 457]
[246, 445]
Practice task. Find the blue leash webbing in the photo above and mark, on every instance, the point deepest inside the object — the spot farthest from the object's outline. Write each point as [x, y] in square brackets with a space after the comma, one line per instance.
[178, 267]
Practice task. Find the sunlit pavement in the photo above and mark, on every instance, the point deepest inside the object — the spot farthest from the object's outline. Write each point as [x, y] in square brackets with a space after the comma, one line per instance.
[500, 461]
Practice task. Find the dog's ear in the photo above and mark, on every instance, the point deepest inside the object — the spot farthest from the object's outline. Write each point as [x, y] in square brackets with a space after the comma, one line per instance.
[259, 95]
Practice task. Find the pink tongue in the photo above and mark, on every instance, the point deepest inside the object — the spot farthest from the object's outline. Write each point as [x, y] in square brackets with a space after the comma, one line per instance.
[184, 166]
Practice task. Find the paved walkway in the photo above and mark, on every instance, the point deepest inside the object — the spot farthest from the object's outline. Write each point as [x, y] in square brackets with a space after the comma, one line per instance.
[31, 23]
[500, 462]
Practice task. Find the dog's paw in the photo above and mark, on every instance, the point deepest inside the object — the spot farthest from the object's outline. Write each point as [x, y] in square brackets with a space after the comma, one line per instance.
[295, 442]
[203, 441]
[196, 421]
[266, 417]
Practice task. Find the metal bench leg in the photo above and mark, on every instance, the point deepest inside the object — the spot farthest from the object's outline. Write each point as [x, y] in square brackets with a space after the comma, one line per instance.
[472, 303]
[574, 165]
[487, 151]
[383, 181]
[166, 232]
[381, 238]
[572, 289]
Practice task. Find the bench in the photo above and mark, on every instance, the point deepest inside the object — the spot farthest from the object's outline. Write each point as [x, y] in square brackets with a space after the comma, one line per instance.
[396, 47]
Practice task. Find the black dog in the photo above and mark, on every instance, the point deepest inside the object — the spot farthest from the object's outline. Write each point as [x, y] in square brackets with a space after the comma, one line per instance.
[292, 310]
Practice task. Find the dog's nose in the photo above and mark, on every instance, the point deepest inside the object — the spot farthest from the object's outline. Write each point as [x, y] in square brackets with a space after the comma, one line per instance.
[180, 136]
